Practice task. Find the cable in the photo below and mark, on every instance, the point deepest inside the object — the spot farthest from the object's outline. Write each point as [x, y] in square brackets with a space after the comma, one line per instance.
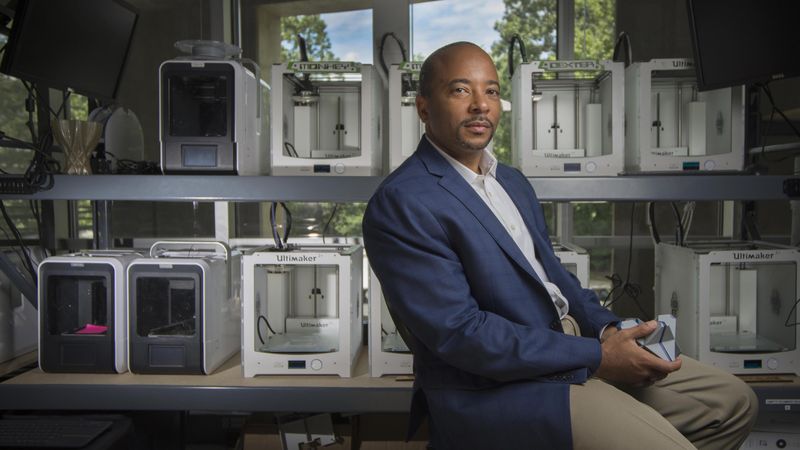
[290, 149]
[678, 225]
[623, 38]
[287, 226]
[280, 244]
[64, 98]
[301, 45]
[795, 323]
[258, 328]
[632, 290]
[651, 207]
[688, 217]
[523, 57]
[403, 52]
[330, 218]
[765, 87]
[27, 258]
[275, 236]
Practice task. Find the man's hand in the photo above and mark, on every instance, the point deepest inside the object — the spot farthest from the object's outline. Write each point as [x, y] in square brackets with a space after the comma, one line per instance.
[625, 362]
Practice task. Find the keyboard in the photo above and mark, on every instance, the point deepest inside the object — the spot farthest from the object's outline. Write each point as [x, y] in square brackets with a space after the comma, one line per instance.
[50, 432]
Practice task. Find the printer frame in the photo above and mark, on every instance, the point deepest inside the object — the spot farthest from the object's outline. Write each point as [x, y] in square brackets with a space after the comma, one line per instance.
[683, 288]
[283, 121]
[717, 145]
[213, 272]
[349, 260]
[91, 352]
[240, 150]
[607, 123]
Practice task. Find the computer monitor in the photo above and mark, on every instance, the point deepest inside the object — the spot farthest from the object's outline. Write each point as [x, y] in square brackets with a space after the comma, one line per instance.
[744, 41]
[80, 45]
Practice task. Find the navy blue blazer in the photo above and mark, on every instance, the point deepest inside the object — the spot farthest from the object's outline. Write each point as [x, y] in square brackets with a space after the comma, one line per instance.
[490, 356]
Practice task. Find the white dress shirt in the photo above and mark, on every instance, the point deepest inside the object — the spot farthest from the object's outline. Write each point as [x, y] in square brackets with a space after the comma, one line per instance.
[496, 198]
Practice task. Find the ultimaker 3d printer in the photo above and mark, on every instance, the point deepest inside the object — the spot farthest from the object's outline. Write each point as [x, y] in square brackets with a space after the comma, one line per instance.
[325, 119]
[671, 126]
[405, 127]
[302, 310]
[565, 122]
[388, 352]
[736, 303]
[210, 112]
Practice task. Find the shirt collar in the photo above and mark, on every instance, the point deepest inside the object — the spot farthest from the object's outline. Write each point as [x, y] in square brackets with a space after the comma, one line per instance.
[488, 164]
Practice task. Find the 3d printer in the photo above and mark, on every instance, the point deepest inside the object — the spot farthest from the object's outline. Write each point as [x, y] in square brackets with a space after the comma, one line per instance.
[184, 302]
[83, 316]
[568, 118]
[405, 127]
[671, 126]
[735, 303]
[325, 119]
[575, 259]
[389, 353]
[210, 112]
[301, 310]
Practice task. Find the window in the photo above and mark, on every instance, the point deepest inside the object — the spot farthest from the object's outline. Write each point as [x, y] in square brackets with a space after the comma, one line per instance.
[13, 159]
[342, 36]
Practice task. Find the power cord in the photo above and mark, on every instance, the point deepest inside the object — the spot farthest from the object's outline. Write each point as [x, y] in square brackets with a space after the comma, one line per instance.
[280, 243]
[258, 328]
[632, 290]
[788, 317]
[403, 52]
[28, 262]
[522, 55]
[623, 39]
[330, 218]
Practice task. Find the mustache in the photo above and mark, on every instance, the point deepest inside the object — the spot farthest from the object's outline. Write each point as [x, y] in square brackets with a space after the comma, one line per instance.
[477, 120]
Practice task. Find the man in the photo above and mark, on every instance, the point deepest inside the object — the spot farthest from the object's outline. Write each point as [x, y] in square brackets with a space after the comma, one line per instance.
[460, 246]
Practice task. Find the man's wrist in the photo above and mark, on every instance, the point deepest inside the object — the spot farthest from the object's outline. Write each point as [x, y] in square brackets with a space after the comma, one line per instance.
[609, 330]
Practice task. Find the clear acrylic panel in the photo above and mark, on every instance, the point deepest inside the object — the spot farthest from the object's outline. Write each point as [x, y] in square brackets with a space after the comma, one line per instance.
[166, 306]
[77, 305]
[753, 307]
[296, 308]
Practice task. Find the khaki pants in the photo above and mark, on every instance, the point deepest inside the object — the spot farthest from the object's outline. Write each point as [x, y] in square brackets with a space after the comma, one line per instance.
[698, 406]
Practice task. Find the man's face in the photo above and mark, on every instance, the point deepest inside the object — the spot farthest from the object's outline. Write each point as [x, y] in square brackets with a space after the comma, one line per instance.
[463, 108]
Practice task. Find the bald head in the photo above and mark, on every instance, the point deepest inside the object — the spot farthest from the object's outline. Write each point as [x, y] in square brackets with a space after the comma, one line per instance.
[434, 62]
[459, 101]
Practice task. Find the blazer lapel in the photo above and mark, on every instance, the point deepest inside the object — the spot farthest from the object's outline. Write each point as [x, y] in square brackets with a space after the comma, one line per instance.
[454, 183]
[540, 240]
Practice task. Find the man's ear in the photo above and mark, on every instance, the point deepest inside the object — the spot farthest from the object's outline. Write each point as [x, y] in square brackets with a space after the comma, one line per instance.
[422, 108]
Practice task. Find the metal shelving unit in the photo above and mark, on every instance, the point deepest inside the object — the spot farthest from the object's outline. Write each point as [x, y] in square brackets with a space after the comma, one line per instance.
[227, 390]
[359, 189]
[224, 390]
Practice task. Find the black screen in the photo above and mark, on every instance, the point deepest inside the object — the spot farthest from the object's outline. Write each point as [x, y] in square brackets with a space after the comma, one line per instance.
[76, 44]
[744, 41]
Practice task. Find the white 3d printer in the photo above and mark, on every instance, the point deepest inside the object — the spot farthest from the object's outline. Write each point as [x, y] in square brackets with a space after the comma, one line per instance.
[388, 352]
[736, 303]
[405, 127]
[302, 310]
[325, 119]
[575, 259]
[671, 126]
[568, 118]
[210, 112]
